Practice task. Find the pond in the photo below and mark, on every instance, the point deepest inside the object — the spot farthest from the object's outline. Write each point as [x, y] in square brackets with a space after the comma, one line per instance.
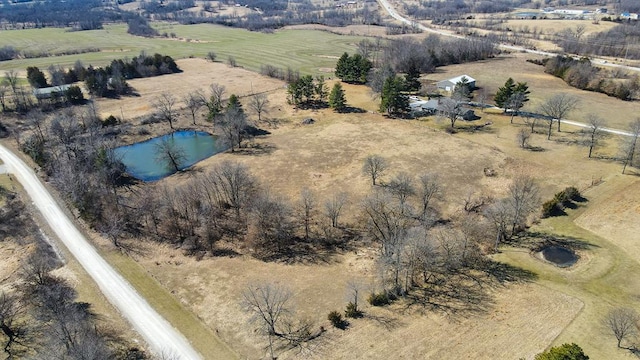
[560, 256]
[143, 162]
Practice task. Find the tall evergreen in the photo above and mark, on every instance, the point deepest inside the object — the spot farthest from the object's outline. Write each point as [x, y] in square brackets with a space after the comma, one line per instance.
[412, 78]
[393, 100]
[504, 93]
[337, 100]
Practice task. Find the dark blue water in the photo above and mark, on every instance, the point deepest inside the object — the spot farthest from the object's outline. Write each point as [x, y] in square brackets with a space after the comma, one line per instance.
[140, 158]
[560, 256]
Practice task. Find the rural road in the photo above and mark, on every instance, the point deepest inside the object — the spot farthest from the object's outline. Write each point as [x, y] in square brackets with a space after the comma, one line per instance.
[396, 15]
[156, 331]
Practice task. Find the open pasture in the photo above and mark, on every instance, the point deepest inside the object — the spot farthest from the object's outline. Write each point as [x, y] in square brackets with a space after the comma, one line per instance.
[284, 48]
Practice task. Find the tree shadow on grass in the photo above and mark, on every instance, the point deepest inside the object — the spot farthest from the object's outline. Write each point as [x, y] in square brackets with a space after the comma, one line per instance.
[352, 110]
[255, 149]
[387, 322]
[536, 241]
[310, 252]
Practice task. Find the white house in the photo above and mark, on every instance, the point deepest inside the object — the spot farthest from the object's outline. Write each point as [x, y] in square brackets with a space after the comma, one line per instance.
[450, 84]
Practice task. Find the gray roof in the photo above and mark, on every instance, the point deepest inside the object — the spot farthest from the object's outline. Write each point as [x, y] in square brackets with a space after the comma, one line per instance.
[43, 92]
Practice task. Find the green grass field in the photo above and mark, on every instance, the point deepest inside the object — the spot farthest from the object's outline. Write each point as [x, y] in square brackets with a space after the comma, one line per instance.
[303, 50]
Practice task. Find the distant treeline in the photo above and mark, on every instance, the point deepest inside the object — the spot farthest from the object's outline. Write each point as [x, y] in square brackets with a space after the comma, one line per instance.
[79, 14]
[583, 75]
[11, 53]
[446, 10]
[622, 41]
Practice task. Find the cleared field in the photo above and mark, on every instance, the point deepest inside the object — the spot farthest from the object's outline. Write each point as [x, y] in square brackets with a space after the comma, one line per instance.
[198, 75]
[250, 49]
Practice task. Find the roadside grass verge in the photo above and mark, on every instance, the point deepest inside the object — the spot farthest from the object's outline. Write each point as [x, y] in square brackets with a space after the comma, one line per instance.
[201, 337]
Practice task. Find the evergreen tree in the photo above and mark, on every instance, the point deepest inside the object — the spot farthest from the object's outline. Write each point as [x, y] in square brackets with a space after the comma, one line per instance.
[412, 78]
[504, 93]
[337, 99]
[393, 100]
[36, 77]
[321, 89]
[234, 103]
[353, 69]
[462, 90]
[563, 352]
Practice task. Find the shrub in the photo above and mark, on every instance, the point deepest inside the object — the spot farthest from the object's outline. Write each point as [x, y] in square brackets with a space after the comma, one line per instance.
[551, 208]
[380, 299]
[211, 56]
[74, 95]
[337, 320]
[562, 198]
[110, 121]
[352, 311]
[573, 193]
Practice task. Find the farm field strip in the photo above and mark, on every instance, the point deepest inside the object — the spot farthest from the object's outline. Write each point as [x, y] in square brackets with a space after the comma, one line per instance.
[250, 49]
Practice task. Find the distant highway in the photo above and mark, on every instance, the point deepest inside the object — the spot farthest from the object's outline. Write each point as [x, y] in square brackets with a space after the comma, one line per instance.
[396, 15]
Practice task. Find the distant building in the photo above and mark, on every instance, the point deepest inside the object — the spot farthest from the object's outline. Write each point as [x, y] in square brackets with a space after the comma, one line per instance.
[450, 84]
[49, 92]
[426, 107]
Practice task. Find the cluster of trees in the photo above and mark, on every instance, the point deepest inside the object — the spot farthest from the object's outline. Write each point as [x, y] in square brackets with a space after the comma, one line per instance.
[307, 91]
[406, 53]
[420, 256]
[446, 10]
[353, 69]
[79, 14]
[617, 42]
[140, 27]
[42, 317]
[112, 79]
[582, 75]
[512, 96]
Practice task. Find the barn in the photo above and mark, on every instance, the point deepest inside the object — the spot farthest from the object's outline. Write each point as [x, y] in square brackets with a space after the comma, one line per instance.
[450, 84]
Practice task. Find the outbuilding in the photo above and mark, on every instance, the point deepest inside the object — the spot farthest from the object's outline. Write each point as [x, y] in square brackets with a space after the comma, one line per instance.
[450, 84]
[50, 92]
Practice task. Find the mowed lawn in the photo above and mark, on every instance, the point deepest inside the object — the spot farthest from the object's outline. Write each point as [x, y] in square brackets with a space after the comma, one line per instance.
[308, 51]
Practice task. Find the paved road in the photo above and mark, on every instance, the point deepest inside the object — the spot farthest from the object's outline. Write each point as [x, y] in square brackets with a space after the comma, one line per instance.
[156, 331]
[396, 15]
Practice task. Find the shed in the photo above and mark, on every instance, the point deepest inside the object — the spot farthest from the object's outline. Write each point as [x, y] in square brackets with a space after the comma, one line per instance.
[450, 84]
[49, 92]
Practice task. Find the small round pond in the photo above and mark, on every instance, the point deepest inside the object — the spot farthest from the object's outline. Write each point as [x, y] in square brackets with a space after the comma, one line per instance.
[142, 161]
[559, 256]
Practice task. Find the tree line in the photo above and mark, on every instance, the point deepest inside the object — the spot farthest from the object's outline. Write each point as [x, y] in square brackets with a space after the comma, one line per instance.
[583, 75]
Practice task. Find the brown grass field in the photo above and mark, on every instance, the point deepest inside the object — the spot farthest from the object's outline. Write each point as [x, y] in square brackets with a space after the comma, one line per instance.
[561, 306]
[520, 320]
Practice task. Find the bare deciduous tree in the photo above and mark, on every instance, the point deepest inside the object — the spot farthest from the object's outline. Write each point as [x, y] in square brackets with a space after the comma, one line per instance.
[429, 189]
[623, 323]
[216, 94]
[259, 103]
[232, 127]
[170, 154]
[401, 187]
[307, 208]
[269, 305]
[333, 207]
[557, 108]
[523, 199]
[234, 185]
[165, 106]
[630, 144]
[594, 132]
[451, 109]
[10, 326]
[374, 166]
[194, 101]
[523, 138]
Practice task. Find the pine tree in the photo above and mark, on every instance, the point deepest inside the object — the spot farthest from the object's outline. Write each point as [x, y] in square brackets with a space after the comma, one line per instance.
[504, 93]
[393, 100]
[321, 89]
[337, 99]
[342, 67]
[412, 78]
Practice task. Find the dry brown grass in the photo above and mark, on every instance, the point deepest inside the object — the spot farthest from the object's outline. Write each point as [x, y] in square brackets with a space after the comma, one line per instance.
[197, 74]
[564, 306]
